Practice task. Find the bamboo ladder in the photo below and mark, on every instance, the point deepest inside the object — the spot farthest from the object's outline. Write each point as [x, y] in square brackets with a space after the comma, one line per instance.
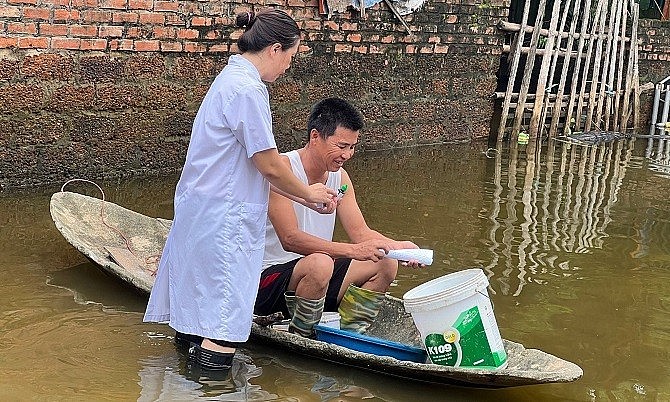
[597, 86]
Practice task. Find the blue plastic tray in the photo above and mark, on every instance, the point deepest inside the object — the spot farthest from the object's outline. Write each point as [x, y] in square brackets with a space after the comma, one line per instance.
[369, 344]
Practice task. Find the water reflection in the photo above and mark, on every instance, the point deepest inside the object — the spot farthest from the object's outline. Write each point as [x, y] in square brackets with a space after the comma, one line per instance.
[658, 152]
[547, 203]
[575, 240]
[168, 378]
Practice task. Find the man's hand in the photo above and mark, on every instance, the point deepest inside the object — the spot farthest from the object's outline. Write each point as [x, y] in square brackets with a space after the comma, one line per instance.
[399, 245]
[370, 250]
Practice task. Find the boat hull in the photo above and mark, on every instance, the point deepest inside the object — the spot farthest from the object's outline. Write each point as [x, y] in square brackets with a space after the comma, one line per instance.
[127, 245]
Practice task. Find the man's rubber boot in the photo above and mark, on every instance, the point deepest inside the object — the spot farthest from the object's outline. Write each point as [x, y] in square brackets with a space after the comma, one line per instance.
[307, 313]
[289, 297]
[359, 308]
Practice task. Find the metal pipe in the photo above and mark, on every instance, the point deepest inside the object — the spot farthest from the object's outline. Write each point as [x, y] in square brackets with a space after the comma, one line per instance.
[654, 117]
[666, 107]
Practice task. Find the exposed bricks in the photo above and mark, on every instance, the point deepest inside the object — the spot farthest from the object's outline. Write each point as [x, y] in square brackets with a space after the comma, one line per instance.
[152, 18]
[110, 31]
[120, 17]
[187, 34]
[36, 13]
[84, 31]
[121, 44]
[96, 16]
[164, 33]
[175, 19]
[53, 29]
[65, 43]
[166, 5]
[112, 4]
[8, 42]
[10, 11]
[21, 28]
[84, 3]
[194, 47]
[201, 21]
[170, 46]
[140, 4]
[33, 43]
[147, 45]
[21, 1]
[66, 15]
[93, 44]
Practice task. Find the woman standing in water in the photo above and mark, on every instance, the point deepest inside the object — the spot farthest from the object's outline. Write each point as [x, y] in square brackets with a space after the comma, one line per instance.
[210, 268]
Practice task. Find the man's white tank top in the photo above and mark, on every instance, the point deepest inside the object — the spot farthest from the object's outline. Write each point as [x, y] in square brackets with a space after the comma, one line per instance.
[309, 221]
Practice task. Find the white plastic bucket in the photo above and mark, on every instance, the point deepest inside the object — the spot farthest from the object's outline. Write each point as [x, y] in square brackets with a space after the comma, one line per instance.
[454, 315]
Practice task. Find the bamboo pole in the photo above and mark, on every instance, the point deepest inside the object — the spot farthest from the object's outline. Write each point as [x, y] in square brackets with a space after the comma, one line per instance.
[529, 105]
[606, 67]
[596, 71]
[619, 79]
[576, 72]
[544, 69]
[554, 61]
[513, 71]
[613, 59]
[501, 95]
[512, 27]
[564, 71]
[625, 112]
[596, 24]
[538, 52]
[636, 75]
[530, 63]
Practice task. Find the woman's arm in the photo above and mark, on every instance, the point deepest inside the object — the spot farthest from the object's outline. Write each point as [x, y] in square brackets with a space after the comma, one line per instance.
[279, 174]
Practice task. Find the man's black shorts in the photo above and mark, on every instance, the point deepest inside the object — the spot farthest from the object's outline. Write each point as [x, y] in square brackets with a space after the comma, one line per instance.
[275, 280]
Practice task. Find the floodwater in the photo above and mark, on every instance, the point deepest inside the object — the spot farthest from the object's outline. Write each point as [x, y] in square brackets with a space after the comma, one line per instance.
[575, 241]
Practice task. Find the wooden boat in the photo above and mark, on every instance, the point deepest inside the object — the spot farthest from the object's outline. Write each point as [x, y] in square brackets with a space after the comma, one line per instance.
[127, 245]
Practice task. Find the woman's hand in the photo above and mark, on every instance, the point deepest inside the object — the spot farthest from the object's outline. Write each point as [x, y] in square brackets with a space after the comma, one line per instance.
[320, 194]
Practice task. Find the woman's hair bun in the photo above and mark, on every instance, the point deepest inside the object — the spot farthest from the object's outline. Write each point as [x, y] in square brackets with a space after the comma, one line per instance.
[246, 19]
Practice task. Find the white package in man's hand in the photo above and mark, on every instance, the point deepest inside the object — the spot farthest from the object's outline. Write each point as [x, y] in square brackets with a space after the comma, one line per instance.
[422, 255]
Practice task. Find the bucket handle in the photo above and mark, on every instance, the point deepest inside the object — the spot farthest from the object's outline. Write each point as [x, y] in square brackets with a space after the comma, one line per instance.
[493, 306]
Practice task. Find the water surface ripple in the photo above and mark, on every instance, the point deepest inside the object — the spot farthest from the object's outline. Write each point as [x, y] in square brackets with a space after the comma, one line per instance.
[575, 241]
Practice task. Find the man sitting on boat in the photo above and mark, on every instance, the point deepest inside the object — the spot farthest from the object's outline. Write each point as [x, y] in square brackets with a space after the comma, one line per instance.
[304, 271]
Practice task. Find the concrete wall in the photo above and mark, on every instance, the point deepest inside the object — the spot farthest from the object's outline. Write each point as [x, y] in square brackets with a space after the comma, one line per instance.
[102, 88]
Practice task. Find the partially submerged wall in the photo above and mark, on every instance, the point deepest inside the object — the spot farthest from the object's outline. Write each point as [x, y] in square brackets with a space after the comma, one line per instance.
[102, 88]
[654, 60]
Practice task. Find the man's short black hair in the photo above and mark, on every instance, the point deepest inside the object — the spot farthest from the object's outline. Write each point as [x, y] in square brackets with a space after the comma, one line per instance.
[330, 113]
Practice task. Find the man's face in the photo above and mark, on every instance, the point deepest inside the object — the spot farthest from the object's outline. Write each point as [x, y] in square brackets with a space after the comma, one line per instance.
[339, 148]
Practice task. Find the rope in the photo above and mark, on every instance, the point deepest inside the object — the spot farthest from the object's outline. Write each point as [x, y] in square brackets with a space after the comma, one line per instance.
[152, 259]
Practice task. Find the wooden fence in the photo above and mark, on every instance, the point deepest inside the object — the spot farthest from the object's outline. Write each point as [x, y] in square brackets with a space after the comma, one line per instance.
[588, 70]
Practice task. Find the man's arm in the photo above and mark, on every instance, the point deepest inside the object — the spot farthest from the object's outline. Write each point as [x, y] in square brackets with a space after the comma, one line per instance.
[351, 217]
[354, 224]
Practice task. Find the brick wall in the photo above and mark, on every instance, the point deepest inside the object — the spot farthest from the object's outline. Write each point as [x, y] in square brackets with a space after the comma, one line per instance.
[104, 88]
[654, 60]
